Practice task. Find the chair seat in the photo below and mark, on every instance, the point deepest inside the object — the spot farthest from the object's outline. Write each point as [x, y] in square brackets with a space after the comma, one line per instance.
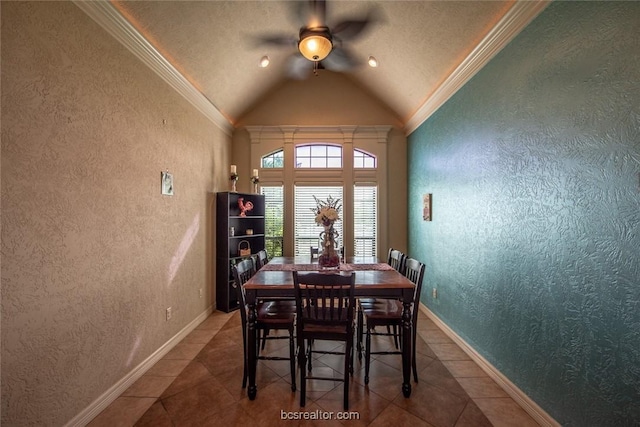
[273, 312]
[389, 309]
[288, 306]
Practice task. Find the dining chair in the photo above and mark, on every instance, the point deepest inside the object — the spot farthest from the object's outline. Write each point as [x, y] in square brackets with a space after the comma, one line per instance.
[271, 315]
[389, 313]
[284, 304]
[324, 310]
[262, 257]
[315, 253]
[395, 259]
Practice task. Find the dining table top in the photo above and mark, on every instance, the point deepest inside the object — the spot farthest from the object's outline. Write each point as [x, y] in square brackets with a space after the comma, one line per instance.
[370, 273]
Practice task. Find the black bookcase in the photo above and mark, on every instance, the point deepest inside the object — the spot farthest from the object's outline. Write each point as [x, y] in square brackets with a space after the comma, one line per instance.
[235, 232]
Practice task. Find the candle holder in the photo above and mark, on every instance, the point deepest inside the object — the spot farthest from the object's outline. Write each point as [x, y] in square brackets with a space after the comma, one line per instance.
[234, 180]
[255, 180]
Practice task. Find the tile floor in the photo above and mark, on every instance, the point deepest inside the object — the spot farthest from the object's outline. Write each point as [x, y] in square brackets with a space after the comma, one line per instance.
[199, 383]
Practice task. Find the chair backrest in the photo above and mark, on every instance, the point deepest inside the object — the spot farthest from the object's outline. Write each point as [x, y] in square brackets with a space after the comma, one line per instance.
[262, 259]
[324, 299]
[414, 271]
[242, 272]
[396, 259]
[315, 253]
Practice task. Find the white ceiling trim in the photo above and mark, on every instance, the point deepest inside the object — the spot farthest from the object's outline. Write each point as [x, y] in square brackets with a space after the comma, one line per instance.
[514, 21]
[109, 18]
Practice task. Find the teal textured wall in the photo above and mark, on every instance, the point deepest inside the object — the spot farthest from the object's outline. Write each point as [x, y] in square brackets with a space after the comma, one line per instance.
[534, 247]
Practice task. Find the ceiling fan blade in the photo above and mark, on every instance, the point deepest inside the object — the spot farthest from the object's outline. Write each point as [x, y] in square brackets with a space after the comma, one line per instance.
[340, 60]
[299, 67]
[275, 40]
[351, 28]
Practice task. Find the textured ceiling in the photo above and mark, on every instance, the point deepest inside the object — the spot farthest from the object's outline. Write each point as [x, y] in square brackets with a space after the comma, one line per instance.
[417, 43]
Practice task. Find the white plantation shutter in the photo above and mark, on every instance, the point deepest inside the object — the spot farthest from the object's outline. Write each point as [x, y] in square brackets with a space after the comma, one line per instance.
[365, 220]
[274, 219]
[307, 232]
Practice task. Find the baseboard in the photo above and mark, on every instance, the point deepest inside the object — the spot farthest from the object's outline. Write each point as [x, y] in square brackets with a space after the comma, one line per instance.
[531, 407]
[98, 405]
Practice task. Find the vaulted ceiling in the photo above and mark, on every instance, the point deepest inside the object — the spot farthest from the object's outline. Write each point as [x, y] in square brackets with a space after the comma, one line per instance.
[421, 46]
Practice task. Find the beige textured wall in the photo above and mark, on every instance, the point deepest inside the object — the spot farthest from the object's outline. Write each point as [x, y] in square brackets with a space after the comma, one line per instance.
[326, 100]
[92, 253]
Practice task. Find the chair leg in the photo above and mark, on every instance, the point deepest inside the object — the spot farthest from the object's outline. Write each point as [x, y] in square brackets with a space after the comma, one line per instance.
[265, 332]
[359, 332]
[351, 357]
[245, 374]
[367, 357]
[302, 361]
[395, 336]
[347, 366]
[292, 360]
[309, 354]
[413, 356]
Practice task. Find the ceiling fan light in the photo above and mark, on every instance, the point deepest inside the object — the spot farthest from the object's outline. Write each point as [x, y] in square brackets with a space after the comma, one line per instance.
[372, 61]
[315, 47]
[264, 62]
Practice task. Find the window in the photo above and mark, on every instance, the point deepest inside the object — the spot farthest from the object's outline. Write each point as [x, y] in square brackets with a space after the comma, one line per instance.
[365, 220]
[318, 156]
[306, 231]
[273, 160]
[274, 219]
[363, 160]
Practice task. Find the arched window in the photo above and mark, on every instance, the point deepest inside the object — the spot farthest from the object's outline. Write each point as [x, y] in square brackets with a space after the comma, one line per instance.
[318, 156]
[273, 160]
[363, 160]
[314, 166]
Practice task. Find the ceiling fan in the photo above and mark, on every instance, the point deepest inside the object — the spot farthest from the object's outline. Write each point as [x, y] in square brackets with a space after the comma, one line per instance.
[319, 45]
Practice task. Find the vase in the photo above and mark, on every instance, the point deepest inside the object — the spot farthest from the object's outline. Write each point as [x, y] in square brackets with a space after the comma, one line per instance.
[329, 258]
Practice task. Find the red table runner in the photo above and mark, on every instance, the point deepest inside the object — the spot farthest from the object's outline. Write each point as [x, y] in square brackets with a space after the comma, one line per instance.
[316, 267]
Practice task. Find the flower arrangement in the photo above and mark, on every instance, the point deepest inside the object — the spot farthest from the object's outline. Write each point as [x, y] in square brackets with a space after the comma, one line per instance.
[327, 212]
[255, 180]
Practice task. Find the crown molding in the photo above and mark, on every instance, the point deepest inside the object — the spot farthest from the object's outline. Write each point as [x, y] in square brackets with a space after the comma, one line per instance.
[109, 18]
[511, 24]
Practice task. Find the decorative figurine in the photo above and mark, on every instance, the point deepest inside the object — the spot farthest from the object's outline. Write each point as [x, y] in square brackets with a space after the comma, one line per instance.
[244, 207]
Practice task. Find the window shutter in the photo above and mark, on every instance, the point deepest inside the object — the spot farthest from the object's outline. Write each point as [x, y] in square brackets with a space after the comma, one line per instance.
[365, 220]
[274, 219]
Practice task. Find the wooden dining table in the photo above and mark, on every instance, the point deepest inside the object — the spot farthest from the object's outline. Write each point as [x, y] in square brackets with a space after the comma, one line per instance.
[373, 279]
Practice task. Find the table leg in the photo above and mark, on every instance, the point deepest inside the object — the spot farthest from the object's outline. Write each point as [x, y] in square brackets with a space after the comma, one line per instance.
[406, 349]
[251, 347]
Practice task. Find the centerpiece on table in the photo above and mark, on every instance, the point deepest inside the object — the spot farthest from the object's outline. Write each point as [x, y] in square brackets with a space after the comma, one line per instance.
[327, 213]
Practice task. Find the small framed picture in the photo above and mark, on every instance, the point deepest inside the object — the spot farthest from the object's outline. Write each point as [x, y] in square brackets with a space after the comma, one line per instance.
[426, 207]
[167, 183]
